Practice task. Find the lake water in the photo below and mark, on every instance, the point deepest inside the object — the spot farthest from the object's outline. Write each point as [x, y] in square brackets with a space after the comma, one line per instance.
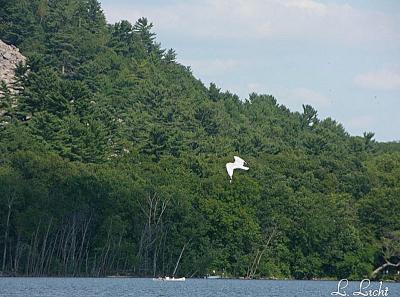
[121, 287]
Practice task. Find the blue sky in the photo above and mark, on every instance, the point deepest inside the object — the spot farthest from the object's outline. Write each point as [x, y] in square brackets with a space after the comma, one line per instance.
[342, 57]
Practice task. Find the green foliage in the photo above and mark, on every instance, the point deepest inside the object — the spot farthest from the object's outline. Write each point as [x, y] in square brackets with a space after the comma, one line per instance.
[112, 162]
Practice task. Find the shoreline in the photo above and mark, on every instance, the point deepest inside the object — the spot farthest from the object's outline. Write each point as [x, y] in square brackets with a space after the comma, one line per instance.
[202, 278]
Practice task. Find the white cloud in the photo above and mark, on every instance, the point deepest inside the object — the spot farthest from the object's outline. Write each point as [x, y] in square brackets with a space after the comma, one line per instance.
[308, 5]
[362, 122]
[304, 20]
[384, 79]
[312, 97]
[295, 98]
[255, 87]
[292, 98]
[211, 67]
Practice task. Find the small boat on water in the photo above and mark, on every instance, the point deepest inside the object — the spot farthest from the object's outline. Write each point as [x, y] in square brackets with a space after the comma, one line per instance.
[170, 279]
[213, 277]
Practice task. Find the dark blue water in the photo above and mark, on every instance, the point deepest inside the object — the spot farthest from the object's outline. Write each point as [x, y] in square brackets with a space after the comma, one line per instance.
[118, 287]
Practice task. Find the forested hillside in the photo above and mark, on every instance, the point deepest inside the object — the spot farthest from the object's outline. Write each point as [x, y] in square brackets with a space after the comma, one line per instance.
[112, 161]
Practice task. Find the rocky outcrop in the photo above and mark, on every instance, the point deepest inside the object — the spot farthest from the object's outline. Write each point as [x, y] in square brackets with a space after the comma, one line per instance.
[10, 57]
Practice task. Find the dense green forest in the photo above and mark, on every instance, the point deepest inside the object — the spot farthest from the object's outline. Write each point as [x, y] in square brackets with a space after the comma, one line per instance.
[112, 161]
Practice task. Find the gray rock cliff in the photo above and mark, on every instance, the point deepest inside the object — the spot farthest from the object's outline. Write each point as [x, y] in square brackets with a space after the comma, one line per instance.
[10, 58]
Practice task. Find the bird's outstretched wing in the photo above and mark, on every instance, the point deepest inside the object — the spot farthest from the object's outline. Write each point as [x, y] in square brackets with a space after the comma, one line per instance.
[229, 168]
[239, 161]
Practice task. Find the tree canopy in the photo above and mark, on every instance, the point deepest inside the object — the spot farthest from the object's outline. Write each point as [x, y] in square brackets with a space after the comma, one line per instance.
[112, 162]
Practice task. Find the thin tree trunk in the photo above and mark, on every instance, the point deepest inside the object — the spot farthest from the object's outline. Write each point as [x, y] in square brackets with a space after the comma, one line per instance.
[180, 256]
[34, 249]
[80, 255]
[17, 255]
[193, 274]
[50, 256]
[383, 266]
[44, 245]
[73, 244]
[116, 255]
[10, 248]
[125, 263]
[256, 262]
[251, 268]
[104, 260]
[28, 258]
[10, 202]
[86, 262]
[94, 265]
[155, 261]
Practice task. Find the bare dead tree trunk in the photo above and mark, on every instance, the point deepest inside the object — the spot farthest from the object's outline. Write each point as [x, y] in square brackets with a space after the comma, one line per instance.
[66, 251]
[34, 250]
[10, 248]
[164, 242]
[44, 245]
[94, 264]
[73, 244]
[87, 256]
[17, 255]
[46, 269]
[9, 206]
[124, 269]
[155, 262]
[153, 209]
[28, 258]
[104, 255]
[251, 267]
[80, 254]
[193, 274]
[180, 256]
[256, 262]
[86, 261]
[60, 244]
[115, 256]
[383, 266]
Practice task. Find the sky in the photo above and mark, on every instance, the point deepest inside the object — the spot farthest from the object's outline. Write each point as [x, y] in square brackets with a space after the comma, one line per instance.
[342, 57]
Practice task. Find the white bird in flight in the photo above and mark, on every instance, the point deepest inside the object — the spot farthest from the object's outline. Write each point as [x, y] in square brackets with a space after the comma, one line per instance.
[239, 164]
